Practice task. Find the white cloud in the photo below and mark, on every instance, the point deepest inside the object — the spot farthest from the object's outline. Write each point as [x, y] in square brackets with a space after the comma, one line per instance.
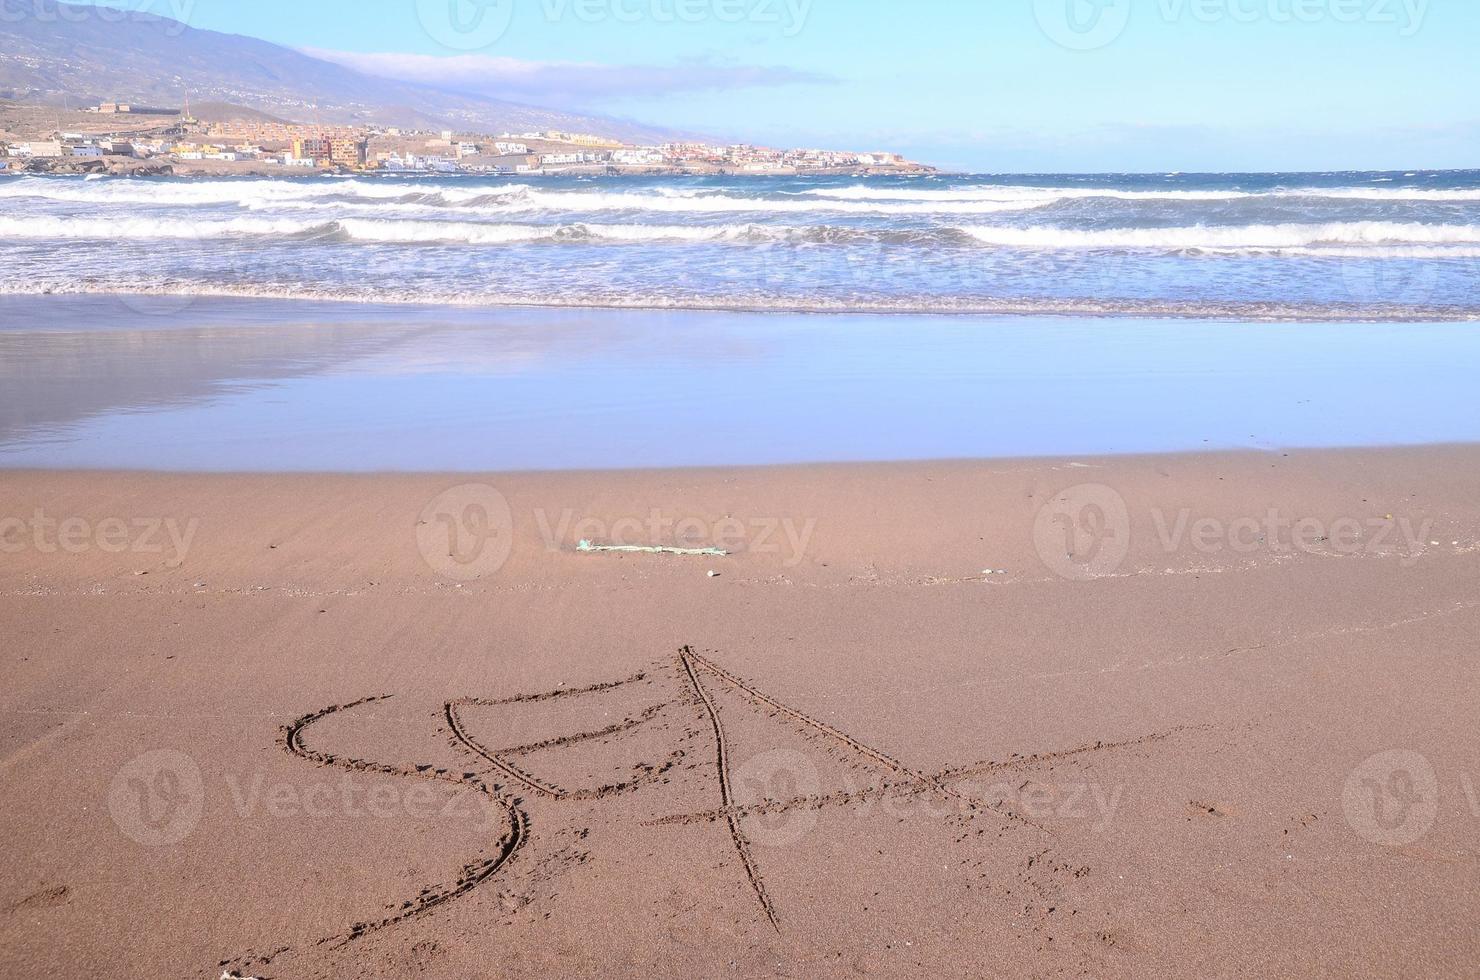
[561, 83]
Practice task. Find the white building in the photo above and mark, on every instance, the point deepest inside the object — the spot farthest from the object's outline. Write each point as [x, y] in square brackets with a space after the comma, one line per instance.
[638, 156]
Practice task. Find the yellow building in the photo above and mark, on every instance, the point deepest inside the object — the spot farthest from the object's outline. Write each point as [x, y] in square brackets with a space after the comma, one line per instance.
[349, 152]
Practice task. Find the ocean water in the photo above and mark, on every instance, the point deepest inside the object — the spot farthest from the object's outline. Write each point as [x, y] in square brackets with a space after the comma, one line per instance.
[269, 385]
[1321, 247]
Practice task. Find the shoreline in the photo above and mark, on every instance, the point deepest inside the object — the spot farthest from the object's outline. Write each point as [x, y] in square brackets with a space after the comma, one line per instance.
[1066, 309]
[930, 172]
[134, 167]
[1068, 462]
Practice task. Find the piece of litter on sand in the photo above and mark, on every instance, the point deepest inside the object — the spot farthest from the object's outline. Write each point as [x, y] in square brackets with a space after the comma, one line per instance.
[713, 573]
[642, 549]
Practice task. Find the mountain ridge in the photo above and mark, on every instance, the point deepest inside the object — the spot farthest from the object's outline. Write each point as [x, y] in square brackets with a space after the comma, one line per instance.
[82, 54]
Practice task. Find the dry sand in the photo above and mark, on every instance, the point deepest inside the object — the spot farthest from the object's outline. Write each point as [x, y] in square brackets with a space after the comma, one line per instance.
[285, 733]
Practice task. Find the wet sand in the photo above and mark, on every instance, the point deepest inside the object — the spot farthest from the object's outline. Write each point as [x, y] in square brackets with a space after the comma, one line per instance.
[194, 385]
[1142, 716]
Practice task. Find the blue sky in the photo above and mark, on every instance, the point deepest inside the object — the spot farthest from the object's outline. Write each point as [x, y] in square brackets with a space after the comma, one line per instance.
[991, 85]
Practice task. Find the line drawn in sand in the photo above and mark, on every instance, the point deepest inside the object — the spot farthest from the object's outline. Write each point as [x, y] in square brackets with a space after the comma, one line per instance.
[689, 673]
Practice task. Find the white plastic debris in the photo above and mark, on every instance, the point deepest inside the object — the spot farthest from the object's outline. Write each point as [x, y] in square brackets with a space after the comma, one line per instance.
[637, 549]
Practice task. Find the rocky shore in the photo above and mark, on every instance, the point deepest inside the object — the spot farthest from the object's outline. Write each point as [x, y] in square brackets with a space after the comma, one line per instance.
[115, 166]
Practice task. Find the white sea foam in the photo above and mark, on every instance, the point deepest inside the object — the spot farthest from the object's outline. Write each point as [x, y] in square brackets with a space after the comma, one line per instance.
[1006, 194]
[505, 198]
[111, 229]
[578, 201]
[1371, 239]
[877, 245]
[370, 230]
[454, 232]
[667, 300]
[860, 199]
[1252, 237]
[1048, 195]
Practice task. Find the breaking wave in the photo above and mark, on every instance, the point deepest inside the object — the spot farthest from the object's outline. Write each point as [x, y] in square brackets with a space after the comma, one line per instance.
[1241, 245]
[1240, 237]
[774, 303]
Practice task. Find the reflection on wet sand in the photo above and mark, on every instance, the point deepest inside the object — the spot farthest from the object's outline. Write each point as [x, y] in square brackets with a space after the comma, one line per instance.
[64, 360]
[283, 385]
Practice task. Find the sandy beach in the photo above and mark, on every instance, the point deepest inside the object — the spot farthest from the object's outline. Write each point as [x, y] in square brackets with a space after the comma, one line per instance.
[803, 491]
[1134, 716]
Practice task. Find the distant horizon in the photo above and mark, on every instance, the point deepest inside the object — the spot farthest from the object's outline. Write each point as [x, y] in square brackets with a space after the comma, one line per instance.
[1048, 86]
[947, 171]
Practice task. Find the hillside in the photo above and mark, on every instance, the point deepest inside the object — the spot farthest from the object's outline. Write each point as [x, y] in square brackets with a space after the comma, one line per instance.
[82, 59]
[226, 112]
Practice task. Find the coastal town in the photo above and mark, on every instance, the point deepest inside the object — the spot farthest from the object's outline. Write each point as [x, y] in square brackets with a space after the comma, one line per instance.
[122, 138]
